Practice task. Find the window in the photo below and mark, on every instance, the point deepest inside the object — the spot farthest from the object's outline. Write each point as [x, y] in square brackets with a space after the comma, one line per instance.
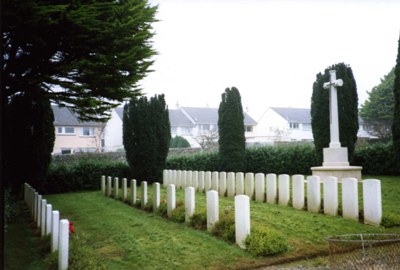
[186, 130]
[86, 131]
[249, 128]
[65, 130]
[65, 151]
[294, 125]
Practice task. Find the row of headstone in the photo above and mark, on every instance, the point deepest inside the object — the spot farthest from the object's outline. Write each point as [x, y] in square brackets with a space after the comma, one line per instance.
[49, 223]
[275, 189]
[242, 204]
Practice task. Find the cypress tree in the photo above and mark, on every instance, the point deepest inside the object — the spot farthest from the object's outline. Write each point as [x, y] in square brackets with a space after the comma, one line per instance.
[146, 137]
[232, 142]
[347, 109]
[396, 114]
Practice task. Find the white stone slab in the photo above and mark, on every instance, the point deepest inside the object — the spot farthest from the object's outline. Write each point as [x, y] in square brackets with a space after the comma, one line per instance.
[43, 217]
[116, 187]
[313, 194]
[174, 177]
[249, 185]
[212, 208]
[156, 196]
[124, 189]
[372, 201]
[189, 177]
[55, 222]
[283, 189]
[49, 210]
[271, 188]
[109, 186]
[39, 212]
[215, 181]
[133, 192]
[36, 207]
[242, 219]
[165, 178]
[231, 185]
[103, 184]
[189, 203]
[239, 178]
[63, 245]
[178, 179]
[171, 199]
[144, 193]
[207, 181]
[201, 182]
[331, 201]
[350, 198]
[195, 180]
[184, 179]
[298, 191]
[260, 187]
[222, 184]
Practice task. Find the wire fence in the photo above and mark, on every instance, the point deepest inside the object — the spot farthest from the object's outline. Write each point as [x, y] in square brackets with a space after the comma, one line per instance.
[364, 251]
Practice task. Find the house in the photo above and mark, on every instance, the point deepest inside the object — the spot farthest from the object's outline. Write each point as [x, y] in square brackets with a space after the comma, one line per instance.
[72, 135]
[288, 124]
[113, 131]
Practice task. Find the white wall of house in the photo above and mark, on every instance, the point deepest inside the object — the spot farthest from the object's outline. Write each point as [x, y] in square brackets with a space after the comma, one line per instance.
[112, 134]
[78, 141]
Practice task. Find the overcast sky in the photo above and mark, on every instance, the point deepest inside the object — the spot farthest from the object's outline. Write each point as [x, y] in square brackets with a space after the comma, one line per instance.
[270, 50]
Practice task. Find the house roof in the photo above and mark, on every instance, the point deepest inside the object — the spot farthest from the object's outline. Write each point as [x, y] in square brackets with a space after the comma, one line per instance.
[65, 117]
[178, 118]
[294, 114]
[210, 116]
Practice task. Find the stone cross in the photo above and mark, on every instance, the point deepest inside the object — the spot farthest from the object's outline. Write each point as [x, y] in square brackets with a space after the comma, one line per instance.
[334, 116]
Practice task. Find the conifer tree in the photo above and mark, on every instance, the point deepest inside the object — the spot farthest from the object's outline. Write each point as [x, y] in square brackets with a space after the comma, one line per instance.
[347, 109]
[232, 142]
[396, 115]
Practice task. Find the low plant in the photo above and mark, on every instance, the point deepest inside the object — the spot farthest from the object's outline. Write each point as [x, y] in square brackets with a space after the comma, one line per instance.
[199, 220]
[390, 220]
[266, 241]
[162, 210]
[225, 227]
[149, 206]
[178, 214]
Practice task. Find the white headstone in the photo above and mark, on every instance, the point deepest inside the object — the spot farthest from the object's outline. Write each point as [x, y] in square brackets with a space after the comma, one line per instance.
[178, 179]
[184, 179]
[144, 193]
[271, 188]
[350, 198]
[43, 218]
[222, 184]
[116, 187]
[212, 208]
[109, 186]
[103, 184]
[298, 191]
[156, 196]
[284, 189]
[55, 222]
[39, 212]
[331, 201]
[215, 181]
[165, 178]
[201, 181]
[313, 194]
[189, 203]
[242, 219]
[207, 181]
[124, 189]
[36, 207]
[249, 185]
[260, 187]
[230, 185]
[63, 245]
[174, 177]
[171, 199]
[372, 201]
[48, 218]
[189, 177]
[133, 192]
[195, 180]
[239, 177]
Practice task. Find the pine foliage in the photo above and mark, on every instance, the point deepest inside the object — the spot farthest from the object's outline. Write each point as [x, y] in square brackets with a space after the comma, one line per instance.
[146, 137]
[347, 109]
[232, 142]
[396, 114]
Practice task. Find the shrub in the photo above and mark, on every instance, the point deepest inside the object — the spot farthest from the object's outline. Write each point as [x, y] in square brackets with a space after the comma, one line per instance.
[162, 210]
[265, 242]
[149, 205]
[225, 227]
[199, 220]
[179, 142]
[390, 220]
[178, 214]
[198, 161]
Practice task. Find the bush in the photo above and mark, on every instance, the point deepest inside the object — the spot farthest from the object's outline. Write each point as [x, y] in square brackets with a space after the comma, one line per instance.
[162, 210]
[390, 220]
[149, 205]
[195, 162]
[199, 220]
[265, 242]
[178, 214]
[225, 227]
[179, 142]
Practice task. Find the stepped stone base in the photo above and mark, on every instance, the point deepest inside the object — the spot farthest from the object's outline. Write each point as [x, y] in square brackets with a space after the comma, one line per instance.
[338, 171]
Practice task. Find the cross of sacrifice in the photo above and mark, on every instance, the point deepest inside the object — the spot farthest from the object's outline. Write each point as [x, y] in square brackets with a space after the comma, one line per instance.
[334, 116]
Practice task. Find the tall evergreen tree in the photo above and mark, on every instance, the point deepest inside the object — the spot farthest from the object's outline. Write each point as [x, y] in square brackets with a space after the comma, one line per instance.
[396, 114]
[232, 142]
[347, 109]
[146, 136]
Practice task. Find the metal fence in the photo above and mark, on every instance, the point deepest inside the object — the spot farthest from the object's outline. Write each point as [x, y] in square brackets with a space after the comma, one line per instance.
[364, 251]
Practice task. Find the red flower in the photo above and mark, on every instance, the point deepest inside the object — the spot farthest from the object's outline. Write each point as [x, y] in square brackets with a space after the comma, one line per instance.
[71, 227]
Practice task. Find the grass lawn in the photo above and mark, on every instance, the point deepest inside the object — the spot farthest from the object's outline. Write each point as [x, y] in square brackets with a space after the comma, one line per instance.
[129, 238]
